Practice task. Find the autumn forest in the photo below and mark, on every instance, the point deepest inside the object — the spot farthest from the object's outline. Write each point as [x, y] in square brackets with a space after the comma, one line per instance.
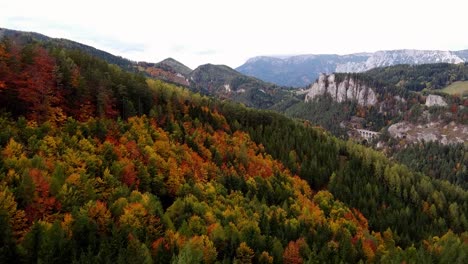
[102, 165]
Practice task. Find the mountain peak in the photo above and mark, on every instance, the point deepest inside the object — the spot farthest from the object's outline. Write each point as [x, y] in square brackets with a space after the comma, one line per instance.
[175, 66]
[214, 73]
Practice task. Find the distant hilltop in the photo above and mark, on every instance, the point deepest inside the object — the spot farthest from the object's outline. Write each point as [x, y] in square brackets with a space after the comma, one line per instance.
[301, 70]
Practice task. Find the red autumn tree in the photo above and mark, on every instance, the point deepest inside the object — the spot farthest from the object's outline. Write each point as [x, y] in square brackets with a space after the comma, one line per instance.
[38, 89]
[3, 66]
[129, 175]
[291, 254]
[43, 203]
[9, 71]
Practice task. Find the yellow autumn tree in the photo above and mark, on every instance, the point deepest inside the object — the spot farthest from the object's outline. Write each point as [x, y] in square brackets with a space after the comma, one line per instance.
[17, 218]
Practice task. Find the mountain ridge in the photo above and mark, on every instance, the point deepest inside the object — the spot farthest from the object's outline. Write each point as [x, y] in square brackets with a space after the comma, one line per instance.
[176, 66]
[166, 69]
[301, 70]
[27, 37]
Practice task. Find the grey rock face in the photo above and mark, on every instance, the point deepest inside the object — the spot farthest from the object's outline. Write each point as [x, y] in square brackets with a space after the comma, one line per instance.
[435, 100]
[347, 90]
[432, 131]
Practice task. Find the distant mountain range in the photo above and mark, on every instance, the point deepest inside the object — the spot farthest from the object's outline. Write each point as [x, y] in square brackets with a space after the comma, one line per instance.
[301, 70]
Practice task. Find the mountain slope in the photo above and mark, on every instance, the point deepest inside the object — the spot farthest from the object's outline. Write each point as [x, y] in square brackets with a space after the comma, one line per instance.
[166, 70]
[224, 82]
[28, 37]
[418, 77]
[463, 54]
[301, 70]
[107, 166]
[216, 80]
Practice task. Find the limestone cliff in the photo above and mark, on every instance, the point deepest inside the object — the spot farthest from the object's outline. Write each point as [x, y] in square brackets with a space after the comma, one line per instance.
[435, 100]
[451, 133]
[346, 90]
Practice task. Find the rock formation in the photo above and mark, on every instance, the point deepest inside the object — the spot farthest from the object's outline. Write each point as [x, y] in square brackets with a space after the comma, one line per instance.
[346, 90]
[435, 100]
[451, 133]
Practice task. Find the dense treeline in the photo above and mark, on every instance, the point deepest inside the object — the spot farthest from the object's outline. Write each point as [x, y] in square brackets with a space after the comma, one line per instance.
[49, 85]
[193, 179]
[419, 77]
[333, 116]
[446, 162]
[325, 112]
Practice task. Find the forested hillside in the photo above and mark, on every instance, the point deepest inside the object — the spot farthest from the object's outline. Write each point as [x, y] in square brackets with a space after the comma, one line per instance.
[388, 194]
[99, 165]
[447, 162]
[214, 80]
[223, 82]
[28, 37]
[419, 77]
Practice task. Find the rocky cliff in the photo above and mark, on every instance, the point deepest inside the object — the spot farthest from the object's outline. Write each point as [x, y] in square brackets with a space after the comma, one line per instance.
[345, 90]
[435, 100]
[451, 133]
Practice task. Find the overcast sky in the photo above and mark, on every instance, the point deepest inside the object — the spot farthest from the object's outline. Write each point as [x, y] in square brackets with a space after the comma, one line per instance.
[196, 32]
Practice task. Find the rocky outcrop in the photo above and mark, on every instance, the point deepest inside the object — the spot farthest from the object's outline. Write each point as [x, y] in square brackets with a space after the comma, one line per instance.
[346, 90]
[434, 131]
[435, 100]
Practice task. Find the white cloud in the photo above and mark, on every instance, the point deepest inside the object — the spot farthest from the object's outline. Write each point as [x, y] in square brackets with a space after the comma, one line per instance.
[229, 32]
